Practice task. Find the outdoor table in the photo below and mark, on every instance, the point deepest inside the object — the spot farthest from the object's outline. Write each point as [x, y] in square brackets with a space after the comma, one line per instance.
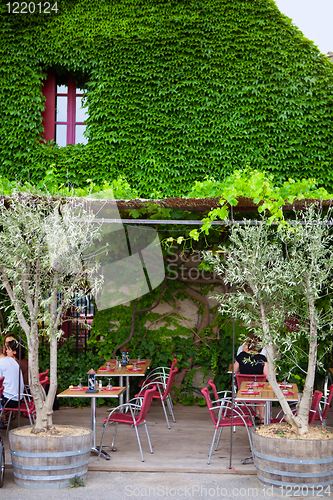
[265, 395]
[122, 372]
[115, 392]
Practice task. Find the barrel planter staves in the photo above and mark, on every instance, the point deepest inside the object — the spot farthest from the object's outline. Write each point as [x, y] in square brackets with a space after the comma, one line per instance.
[49, 461]
[294, 467]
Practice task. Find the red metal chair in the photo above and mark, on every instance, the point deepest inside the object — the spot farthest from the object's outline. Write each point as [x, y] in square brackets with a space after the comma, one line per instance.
[162, 396]
[241, 377]
[223, 419]
[324, 406]
[116, 416]
[1, 386]
[246, 410]
[43, 379]
[26, 407]
[317, 395]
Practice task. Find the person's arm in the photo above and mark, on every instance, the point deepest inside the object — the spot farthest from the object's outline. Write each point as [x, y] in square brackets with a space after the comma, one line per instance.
[266, 369]
[236, 367]
[240, 349]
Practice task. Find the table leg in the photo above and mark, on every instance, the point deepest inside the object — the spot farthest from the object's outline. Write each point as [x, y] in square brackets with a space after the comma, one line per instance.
[95, 448]
[121, 383]
[127, 389]
[268, 412]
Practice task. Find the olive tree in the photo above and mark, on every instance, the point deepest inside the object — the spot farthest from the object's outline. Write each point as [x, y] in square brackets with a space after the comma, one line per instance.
[279, 272]
[45, 267]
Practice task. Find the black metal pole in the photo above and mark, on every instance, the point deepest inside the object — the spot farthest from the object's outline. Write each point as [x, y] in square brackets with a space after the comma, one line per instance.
[233, 373]
[19, 382]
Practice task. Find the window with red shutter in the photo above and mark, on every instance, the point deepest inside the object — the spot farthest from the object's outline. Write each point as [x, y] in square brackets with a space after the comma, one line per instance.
[63, 117]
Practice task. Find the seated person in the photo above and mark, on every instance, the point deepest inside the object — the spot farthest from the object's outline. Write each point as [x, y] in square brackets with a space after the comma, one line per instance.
[9, 336]
[10, 369]
[13, 350]
[250, 362]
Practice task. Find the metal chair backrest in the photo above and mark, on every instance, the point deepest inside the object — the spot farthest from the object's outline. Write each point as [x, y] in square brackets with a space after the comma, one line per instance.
[317, 395]
[241, 377]
[169, 383]
[43, 374]
[221, 396]
[213, 386]
[148, 397]
[174, 362]
[159, 374]
[43, 381]
[327, 404]
[211, 408]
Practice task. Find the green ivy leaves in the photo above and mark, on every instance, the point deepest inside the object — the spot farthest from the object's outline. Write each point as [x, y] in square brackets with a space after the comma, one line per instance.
[176, 91]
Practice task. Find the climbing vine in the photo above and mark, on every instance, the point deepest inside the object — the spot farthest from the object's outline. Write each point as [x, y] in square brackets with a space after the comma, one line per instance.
[175, 90]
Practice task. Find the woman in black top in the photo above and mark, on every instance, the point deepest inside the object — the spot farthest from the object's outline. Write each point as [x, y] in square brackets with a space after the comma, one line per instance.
[250, 362]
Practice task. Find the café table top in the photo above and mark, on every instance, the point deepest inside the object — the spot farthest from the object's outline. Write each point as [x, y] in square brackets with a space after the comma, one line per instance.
[122, 371]
[265, 393]
[102, 393]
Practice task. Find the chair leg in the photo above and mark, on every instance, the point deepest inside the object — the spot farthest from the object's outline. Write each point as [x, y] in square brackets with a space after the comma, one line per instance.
[9, 419]
[138, 438]
[211, 447]
[30, 419]
[170, 406]
[101, 445]
[114, 436]
[165, 413]
[218, 438]
[151, 449]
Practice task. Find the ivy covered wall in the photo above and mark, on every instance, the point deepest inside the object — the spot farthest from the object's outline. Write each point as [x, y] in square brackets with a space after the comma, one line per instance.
[176, 90]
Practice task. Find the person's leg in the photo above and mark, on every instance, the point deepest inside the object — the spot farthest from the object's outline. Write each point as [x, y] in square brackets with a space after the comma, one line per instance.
[261, 412]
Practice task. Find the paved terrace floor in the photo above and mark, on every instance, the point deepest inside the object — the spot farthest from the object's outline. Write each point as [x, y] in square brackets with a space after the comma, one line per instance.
[182, 449]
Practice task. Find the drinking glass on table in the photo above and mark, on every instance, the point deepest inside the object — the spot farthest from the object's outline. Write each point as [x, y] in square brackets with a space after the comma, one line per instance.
[109, 386]
[135, 366]
[138, 360]
[80, 386]
[108, 366]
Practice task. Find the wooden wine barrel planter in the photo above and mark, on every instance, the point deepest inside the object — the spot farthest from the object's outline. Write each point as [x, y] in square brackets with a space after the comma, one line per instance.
[294, 467]
[49, 461]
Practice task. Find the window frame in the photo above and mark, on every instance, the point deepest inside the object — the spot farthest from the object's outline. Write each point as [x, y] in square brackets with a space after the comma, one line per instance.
[49, 117]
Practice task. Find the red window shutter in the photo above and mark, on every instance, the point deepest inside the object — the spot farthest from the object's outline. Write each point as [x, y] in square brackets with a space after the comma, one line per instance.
[48, 115]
